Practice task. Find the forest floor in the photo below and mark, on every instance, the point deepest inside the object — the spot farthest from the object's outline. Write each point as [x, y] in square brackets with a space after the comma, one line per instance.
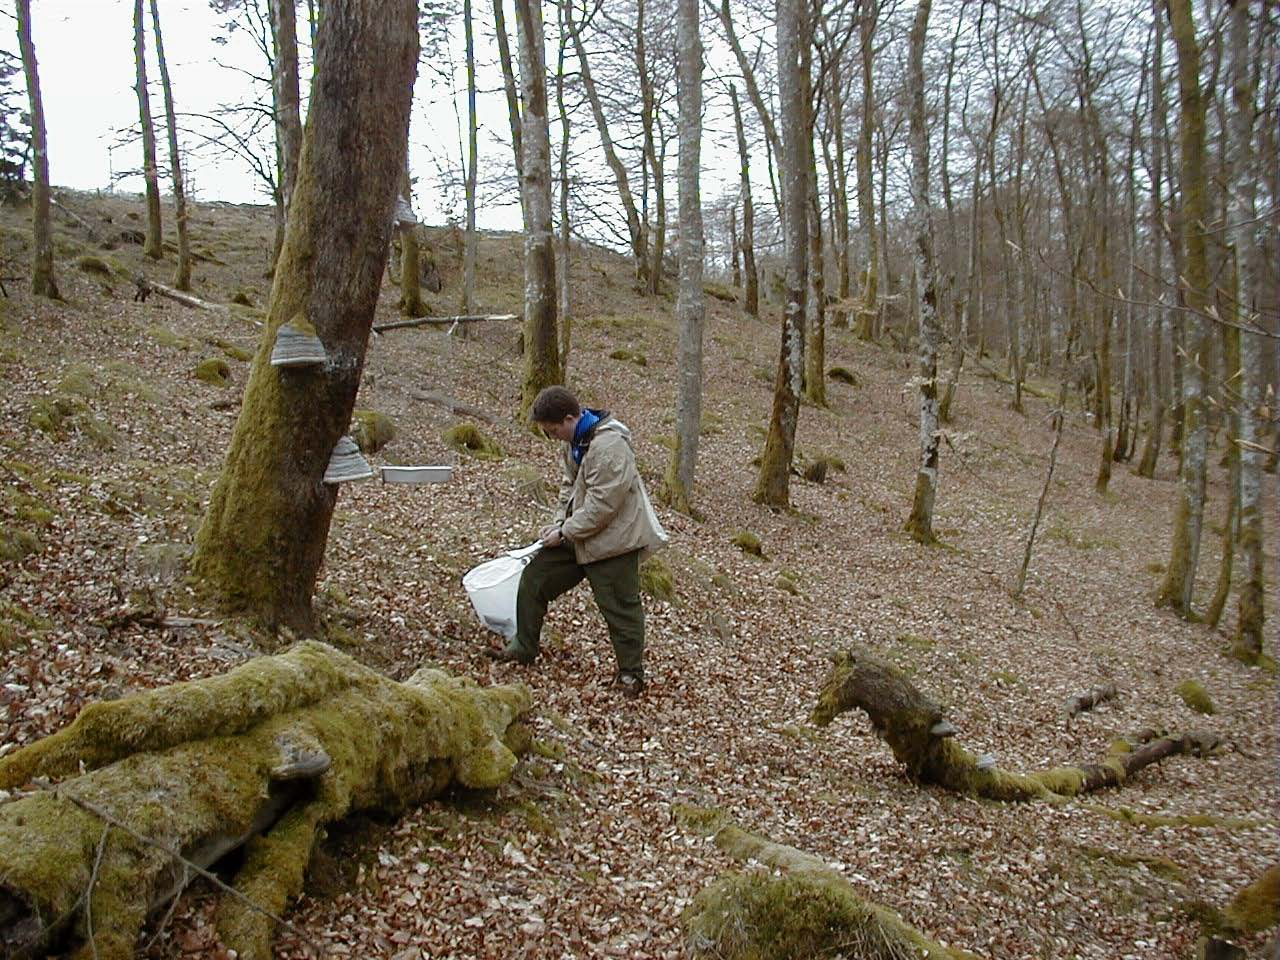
[109, 446]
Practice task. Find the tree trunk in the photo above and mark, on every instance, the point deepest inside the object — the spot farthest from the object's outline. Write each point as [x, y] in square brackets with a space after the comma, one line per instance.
[42, 279]
[815, 348]
[690, 299]
[207, 767]
[182, 276]
[751, 298]
[541, 344]
[919, 524]
[773, 486]
[509, 87]
[262, 540]
[284, 80]
[1155, 312]
[635, 231]
[468, 304]
[735, 247]
[924, 742]
[154, 245]
[1176, 591]
[566, 249]
[1246, 240]
[866, 327]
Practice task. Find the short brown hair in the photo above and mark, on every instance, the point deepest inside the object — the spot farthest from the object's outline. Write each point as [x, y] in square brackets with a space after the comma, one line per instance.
[553, 404]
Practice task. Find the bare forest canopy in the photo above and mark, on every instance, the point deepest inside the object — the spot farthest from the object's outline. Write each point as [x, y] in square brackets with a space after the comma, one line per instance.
[948, 335]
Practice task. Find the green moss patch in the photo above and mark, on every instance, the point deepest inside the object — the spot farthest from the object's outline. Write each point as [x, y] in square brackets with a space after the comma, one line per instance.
[214, 371]
[1207, 821]
[95, 265]
[371, 430]
[470, 439]
[167, 338]
[657, 579]
[1195, 696]
[633, 356]
[242, 298]
[748, 543]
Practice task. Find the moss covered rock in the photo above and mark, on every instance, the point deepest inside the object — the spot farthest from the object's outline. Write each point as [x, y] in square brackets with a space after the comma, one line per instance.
[1195, 696]
[844, 375]
[470, 439]
[214, 371]
[371, 430]
[95, 265]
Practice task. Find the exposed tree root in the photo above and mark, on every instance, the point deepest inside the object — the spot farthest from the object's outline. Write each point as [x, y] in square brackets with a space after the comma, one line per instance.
[265, 755]
[923, 741]
[809, 911]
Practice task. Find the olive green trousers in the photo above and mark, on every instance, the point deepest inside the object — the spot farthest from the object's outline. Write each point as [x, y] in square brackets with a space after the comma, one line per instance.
[615, 582]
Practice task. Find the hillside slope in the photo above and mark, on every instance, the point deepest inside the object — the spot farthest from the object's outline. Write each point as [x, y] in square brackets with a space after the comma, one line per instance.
[109, 445]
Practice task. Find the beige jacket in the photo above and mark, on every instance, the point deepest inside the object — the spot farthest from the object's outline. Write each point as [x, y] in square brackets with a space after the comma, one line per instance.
[604, 508]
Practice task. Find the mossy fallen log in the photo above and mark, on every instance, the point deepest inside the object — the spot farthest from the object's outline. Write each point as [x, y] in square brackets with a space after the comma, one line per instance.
[805, 910]
[924, 742]
[263, 757]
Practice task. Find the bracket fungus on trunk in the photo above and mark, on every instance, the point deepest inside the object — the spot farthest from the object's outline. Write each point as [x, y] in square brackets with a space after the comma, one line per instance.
[262, 758]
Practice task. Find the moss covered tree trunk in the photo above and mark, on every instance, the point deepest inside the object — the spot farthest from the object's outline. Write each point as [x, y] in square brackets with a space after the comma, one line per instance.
[262, 757]
[541, 342]
[411, 303]
[1179, 581]
[182, 274]
[923, 741]
[262, 540]
[43, 283]
[919, 525]
[773, 485]
[153, 247]
[690, 298]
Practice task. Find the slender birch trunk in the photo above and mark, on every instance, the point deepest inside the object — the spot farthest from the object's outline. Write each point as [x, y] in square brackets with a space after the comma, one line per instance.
[751, 297]
[866, 326]
[1245, 238]
[690, 299]
[565, 327]
[635, 231]
[43, 283]
[473, 161]
[153, 247]
[182, 276]
[509, 88]
[1179, 582]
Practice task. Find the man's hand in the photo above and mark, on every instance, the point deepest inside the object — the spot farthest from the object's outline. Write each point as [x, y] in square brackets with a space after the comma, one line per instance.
[550, 535]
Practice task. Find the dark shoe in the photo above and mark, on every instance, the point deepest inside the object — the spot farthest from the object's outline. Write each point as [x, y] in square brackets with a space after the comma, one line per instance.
[632, 685]
[508, 654]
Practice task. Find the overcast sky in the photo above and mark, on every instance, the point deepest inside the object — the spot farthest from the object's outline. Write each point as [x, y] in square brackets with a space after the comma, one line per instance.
[85, 53]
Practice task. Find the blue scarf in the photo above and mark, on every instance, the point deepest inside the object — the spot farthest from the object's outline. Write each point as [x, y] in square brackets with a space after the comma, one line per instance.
[582, 433]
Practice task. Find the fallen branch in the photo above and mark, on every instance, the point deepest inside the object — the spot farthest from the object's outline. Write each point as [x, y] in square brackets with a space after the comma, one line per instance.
[811, 910]
[93, 235]
[441, 321]
[452, 405]
[923, 741]
[186, 299]
[262, 757]
[1087, 701]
